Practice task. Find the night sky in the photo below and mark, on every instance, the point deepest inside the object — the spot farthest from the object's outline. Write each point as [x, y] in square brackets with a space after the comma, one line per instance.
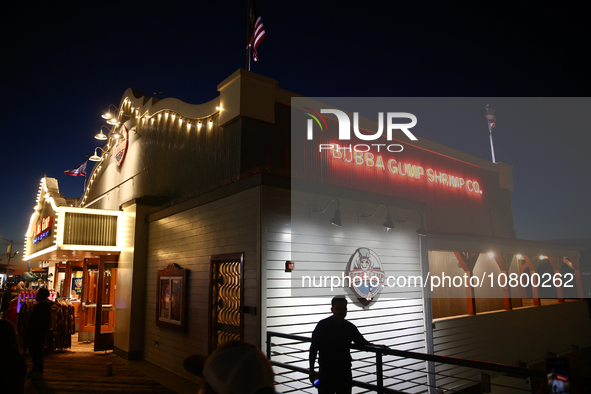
[65, 62]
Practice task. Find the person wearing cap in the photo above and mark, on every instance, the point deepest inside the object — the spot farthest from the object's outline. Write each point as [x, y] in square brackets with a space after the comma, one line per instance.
[332, 338]
[235, 367]
[37, 329]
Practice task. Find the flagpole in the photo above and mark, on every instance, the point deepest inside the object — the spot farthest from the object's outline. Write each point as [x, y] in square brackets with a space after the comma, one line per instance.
[488, 123]
[84, 180]
[248, 58]
[248, 36]
[492, 148]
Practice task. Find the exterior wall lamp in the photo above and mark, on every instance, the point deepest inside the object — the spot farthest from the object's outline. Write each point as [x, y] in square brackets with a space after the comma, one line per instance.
[388, 224]
[95, 157]
[100, 136]
[109, 115]
[421, 230]
[336, 219]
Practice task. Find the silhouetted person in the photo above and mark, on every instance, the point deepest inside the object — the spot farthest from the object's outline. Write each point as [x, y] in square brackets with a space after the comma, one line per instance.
[332, 338]
[13, 367]
[39, 325]
[7, 296]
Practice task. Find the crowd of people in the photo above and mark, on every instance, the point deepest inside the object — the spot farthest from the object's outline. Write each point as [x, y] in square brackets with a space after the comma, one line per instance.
[13, 368]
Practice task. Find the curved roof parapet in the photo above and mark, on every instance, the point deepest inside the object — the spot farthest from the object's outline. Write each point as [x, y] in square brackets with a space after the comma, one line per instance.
[148, 106]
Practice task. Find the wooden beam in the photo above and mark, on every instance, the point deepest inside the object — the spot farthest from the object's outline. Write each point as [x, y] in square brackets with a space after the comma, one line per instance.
[504, 262]
[555, 262]
[467, 261]
[532, 270]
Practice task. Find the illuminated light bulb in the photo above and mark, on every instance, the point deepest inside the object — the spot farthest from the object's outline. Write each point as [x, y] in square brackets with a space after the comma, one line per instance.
[188, 126]
[210, 123]
[173, 116]
[542, 257]
[199, 125]
[491, 254]
[159, 116]
[519, 256]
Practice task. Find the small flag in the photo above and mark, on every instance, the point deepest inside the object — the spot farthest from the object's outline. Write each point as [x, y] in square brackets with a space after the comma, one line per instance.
[256, 30]
[78, 171]
[490, 116]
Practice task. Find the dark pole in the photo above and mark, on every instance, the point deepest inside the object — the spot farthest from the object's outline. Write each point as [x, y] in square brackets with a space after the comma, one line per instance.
[250, 22]
[9, 255]
[248, 10]
[84, 180]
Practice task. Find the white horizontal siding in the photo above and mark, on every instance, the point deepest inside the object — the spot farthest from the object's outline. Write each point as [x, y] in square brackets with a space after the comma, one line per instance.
[318, 248]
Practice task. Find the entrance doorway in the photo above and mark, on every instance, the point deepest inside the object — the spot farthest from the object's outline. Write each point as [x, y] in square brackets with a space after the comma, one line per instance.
[226, 298]
[99, 286]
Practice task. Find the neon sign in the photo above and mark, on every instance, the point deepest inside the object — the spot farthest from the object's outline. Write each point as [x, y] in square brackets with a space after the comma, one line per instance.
[43, 229]
[405, 169]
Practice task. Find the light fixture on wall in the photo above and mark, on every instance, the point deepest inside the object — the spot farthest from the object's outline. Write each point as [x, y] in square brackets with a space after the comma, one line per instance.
[336, 219]
[115, 134]
[421, 230]
[100, 136]
[110, 115]
[113, 122]
[95, 157]
[388, 224]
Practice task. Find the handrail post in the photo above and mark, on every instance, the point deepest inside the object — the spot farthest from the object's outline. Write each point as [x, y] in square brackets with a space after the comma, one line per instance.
[268, 345]
[379, 371]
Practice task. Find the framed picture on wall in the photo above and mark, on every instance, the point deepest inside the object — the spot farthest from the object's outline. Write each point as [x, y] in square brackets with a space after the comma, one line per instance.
[171, 299]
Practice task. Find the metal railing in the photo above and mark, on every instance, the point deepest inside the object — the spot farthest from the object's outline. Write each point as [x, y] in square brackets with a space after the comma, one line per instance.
[426, 383]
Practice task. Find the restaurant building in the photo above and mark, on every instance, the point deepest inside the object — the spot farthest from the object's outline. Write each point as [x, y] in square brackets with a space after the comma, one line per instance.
[201, 223]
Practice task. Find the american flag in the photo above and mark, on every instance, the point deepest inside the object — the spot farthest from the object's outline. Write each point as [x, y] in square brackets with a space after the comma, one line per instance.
[256, 30]
[78, 171]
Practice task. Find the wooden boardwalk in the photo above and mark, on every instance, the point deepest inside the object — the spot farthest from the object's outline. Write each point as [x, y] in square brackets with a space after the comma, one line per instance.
[81, 370]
